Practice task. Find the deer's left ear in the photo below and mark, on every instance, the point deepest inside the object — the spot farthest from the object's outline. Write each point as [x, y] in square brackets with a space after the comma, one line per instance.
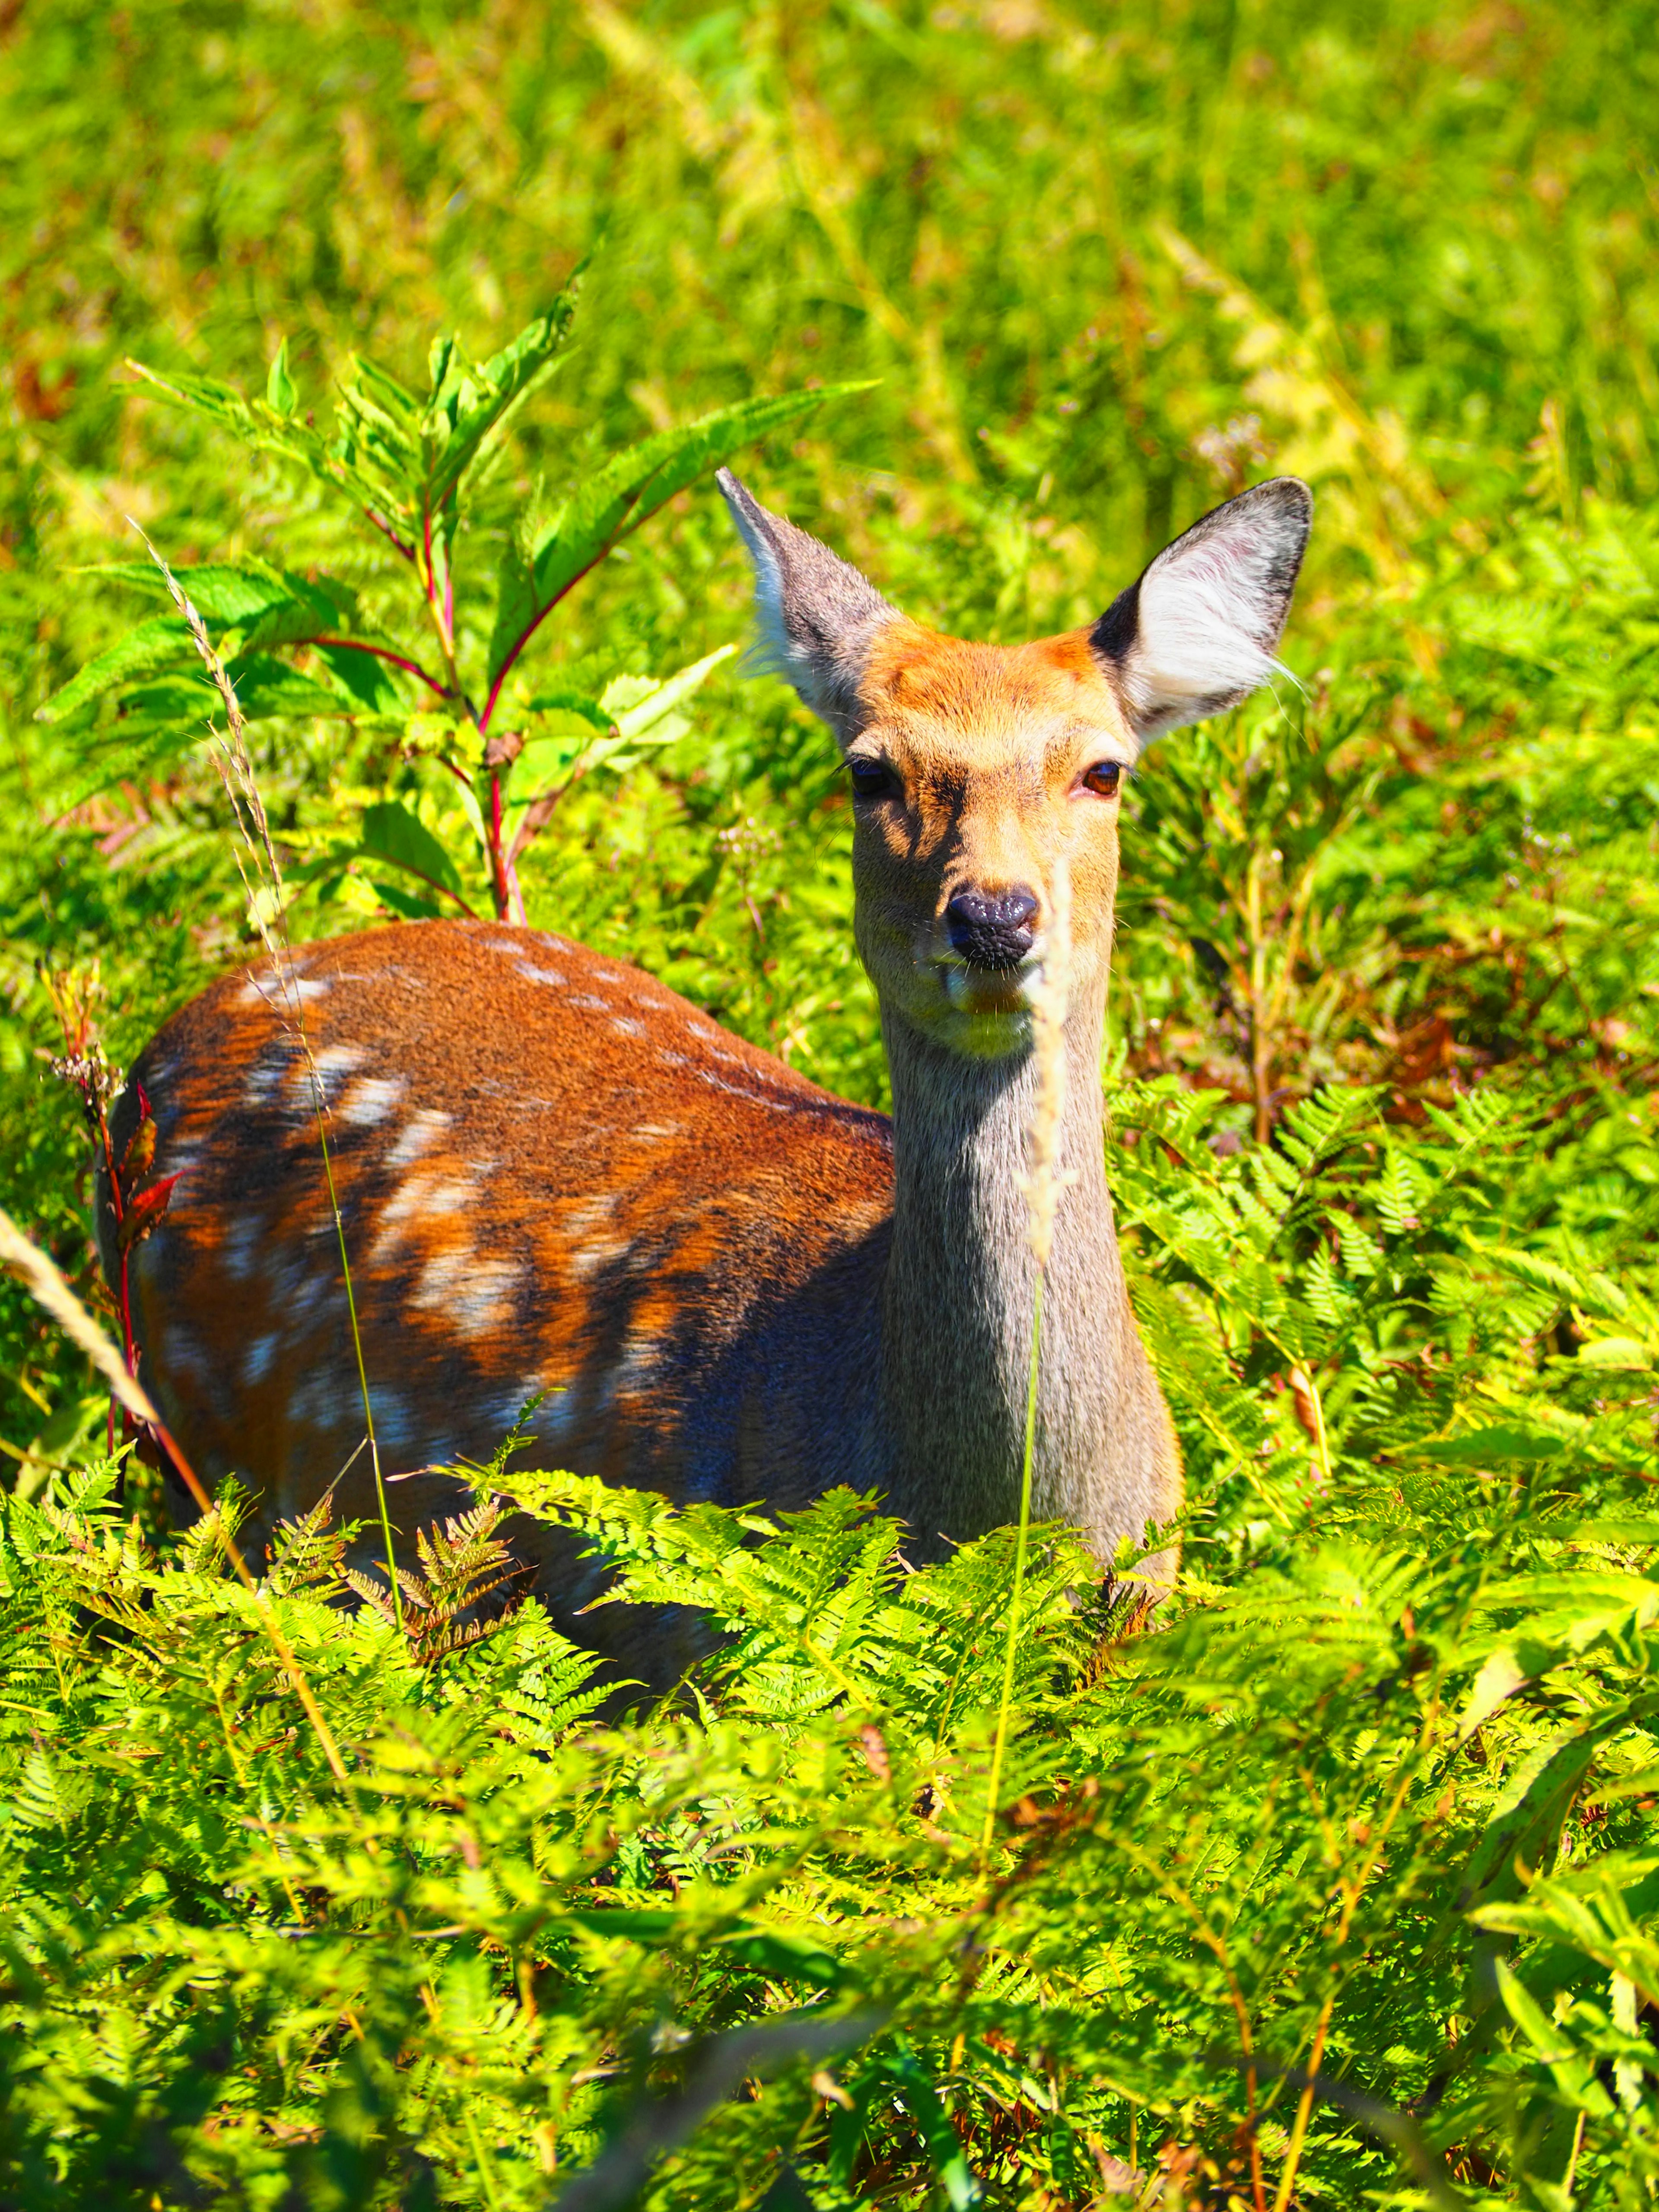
[818, 617]
[1197, 632]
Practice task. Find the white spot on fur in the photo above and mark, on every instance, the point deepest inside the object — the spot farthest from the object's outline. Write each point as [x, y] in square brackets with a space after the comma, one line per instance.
[182, 1351]
[552, 977]
[477, 1295]
[259, 1356]
[625, 1025]
[588, 1212]
[262, 988]
[333, 1064]
[370, 1099]
[599, 1253]
[420, 1132]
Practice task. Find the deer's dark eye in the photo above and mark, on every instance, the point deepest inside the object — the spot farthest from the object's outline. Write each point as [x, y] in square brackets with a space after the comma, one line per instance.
[1103, 779]
[872, 779]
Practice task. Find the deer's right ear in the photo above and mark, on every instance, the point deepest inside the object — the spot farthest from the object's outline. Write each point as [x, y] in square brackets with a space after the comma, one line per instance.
[818, 617]
[1196, 634]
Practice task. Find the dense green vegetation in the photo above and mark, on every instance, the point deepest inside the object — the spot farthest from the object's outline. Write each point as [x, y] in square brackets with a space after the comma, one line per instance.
[1337, 1887]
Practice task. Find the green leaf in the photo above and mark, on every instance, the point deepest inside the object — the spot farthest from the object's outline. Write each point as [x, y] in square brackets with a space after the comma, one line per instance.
[570, 702]
[620, 494]
[922, 2102]
[252, 607]
[408, 903]
[281, 396]
[1482, 1446]
[1573, 2076]
[238, 594]
[469, 408]
[158, 644]
[634, 718]
[267, 687]
[366, 680]
[256, 424]
[1626, 1353]
[391, 831]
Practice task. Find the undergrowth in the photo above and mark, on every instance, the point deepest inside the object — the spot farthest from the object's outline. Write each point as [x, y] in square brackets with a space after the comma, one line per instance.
[1336, 1883]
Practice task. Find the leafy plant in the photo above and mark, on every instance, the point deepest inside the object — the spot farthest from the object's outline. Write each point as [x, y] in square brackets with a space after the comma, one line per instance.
[414, 468]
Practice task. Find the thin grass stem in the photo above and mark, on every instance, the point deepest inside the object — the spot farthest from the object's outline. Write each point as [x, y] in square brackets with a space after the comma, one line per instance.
[235, 765]
[1000, 1740]
[1044, 1185]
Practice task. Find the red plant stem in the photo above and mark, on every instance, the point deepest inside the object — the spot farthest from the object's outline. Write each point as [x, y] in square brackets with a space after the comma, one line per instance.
[383, 653]
[509, 900]
[129, 1350]
[385, 530]
[529, 631]
[431, 577]
[496, 867]
[124, 1296]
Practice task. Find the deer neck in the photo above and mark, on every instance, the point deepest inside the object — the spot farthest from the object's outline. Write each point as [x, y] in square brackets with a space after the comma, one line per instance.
[958, 1294]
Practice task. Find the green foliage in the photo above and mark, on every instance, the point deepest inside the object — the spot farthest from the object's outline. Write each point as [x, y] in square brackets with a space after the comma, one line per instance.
[408, 465]
[1369, 1805]
[1374, 1799]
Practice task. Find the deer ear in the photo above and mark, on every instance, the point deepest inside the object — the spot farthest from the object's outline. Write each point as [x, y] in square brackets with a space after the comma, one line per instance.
[1197, 632]
[817, 616]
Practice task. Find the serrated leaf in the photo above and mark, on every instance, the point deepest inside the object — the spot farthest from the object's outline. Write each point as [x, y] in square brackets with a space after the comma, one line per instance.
[253, 607]
[1627, 1353]
[571, 702]
[1482, 1446]
[256, 424]
[281, 397]
[154, 645]
[267, 687]
[238, 593]
[470, 406]
[620, 494]
[364, 678]
[659, 700]
[391, 831]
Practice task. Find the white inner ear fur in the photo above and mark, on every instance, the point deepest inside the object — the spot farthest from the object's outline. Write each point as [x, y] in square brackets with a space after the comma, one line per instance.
[771, 653]
[1211, 609]
[1198, 641]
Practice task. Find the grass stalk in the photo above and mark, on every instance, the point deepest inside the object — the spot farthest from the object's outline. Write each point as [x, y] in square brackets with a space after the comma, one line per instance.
[1043, 1184]
[999, 1743]
[234, 764]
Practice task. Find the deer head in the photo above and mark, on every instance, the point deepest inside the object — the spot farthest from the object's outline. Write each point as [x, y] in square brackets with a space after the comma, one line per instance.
[975, 768]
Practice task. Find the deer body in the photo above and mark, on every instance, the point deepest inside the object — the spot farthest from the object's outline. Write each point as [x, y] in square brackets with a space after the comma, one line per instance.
[558, 1178]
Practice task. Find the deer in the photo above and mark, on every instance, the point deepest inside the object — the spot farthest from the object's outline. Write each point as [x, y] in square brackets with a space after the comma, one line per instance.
[559, 1180]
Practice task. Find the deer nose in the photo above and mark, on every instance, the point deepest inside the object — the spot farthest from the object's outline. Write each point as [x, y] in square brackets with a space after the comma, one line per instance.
[993, 930]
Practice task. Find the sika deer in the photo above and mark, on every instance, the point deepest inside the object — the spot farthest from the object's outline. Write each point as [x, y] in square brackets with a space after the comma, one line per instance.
[557, 1176]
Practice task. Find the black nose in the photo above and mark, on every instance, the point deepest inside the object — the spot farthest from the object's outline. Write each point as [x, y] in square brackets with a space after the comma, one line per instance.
[992, 929]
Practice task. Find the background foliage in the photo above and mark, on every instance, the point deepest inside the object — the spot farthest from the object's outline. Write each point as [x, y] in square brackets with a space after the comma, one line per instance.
[1374, 1805]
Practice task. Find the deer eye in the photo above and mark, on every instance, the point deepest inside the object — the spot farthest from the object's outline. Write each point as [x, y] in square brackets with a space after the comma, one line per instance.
[872, 779]
[1103, 779]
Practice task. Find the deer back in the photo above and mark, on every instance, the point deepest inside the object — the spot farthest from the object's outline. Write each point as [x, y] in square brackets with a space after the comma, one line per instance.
[556, 1178]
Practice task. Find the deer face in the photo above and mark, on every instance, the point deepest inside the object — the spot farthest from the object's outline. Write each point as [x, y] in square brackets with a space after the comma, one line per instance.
[976, 769]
